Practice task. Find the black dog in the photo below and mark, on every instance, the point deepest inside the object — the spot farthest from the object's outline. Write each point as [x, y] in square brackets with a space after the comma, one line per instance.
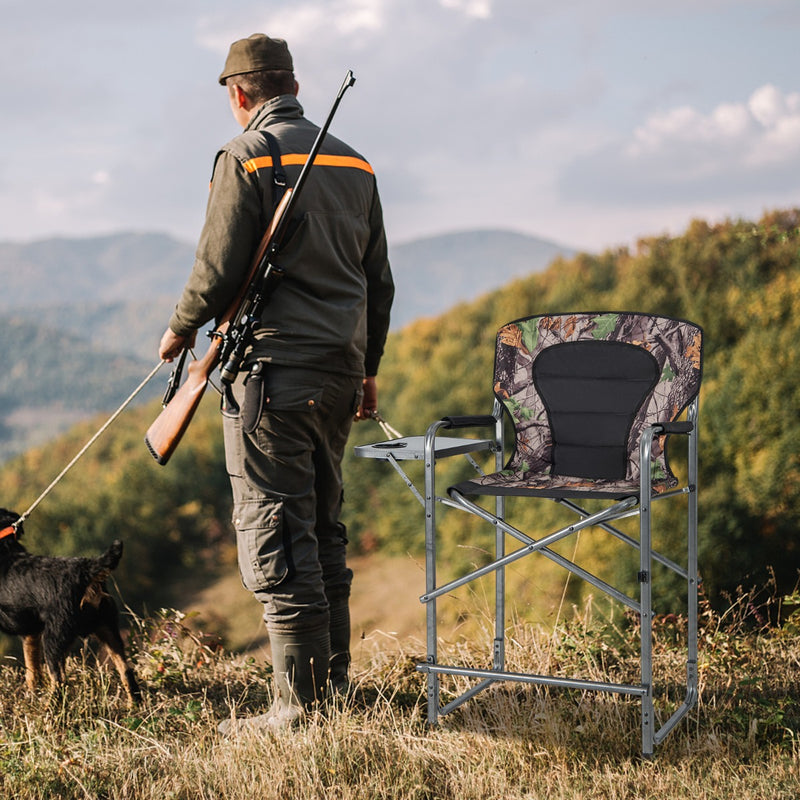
[50, 602]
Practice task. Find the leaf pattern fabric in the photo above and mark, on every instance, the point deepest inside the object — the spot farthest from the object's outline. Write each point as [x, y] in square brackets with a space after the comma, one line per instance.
[675, 344]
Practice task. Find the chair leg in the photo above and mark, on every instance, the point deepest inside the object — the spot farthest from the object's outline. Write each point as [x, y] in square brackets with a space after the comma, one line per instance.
[692, 683]
[499, 652]
[433, 677]
[430, 571]
[646, 598]
[646, 632]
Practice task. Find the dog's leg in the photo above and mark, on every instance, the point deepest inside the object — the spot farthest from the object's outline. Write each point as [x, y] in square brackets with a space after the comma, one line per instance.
[110, 637]
[56, 640]
[54, 655]
[32, 651]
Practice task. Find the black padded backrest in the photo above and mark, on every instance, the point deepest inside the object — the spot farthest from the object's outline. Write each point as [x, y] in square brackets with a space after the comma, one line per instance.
[592, 391]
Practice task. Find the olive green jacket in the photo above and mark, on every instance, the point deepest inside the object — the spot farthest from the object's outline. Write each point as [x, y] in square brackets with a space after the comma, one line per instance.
[331, 310]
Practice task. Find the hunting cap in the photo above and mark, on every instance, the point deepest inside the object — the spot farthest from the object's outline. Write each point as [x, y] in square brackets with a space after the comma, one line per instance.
[255, 53]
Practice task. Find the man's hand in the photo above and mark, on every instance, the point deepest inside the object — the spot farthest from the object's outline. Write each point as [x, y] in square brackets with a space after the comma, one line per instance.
[369, 402]
[172, 345]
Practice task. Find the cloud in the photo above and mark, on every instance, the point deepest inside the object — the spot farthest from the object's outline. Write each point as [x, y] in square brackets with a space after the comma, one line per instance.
[306, 22]
[521, 113]
[480, 9]
[735, 149]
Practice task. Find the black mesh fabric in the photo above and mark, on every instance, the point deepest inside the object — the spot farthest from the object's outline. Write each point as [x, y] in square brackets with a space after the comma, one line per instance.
[592, 391]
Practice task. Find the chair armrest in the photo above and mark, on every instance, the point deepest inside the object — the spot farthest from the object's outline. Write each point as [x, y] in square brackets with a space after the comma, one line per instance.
[478, 421]
[673, 427]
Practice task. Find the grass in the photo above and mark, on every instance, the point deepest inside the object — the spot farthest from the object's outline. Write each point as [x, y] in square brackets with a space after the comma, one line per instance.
[509, 742]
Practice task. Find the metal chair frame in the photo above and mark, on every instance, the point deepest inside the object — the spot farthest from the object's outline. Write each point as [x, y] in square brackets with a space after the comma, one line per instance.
[634, 503]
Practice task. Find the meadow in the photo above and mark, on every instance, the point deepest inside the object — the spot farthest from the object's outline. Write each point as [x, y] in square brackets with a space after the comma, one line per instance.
[511, 743]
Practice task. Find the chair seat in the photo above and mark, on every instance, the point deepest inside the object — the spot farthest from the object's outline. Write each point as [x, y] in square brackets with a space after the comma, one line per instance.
[532, 484]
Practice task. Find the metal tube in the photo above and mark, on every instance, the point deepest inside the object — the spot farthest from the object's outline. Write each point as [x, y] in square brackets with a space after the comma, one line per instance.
[462, 698]
[430, 565]
[539, 546]
[499, 649]
[543, 680]
[629, 540]
[645, 588]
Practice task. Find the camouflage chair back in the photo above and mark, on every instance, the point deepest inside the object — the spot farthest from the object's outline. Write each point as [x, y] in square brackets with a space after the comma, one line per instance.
[593, 398]
[581, 389]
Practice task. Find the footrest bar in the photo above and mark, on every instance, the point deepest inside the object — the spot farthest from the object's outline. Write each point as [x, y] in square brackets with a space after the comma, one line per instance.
[543, 680]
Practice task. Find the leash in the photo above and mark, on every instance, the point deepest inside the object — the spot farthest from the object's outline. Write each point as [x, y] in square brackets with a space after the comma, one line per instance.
[88, 444]
[388, 431]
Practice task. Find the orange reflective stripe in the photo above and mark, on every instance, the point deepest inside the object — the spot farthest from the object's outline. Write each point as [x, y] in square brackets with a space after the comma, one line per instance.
[294, 159]
[256, 163]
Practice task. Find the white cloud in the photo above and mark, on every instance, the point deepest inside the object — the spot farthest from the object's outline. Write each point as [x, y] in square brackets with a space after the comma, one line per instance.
[480, 9]
[732, 150]
[768, 105]
[316, 22]
[767, 114]
[361, 15]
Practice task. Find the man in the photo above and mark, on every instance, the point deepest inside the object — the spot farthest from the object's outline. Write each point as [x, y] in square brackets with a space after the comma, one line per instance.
[311, 368]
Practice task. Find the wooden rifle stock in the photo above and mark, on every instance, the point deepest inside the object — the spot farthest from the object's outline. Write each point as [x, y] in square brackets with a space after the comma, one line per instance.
[164, 435]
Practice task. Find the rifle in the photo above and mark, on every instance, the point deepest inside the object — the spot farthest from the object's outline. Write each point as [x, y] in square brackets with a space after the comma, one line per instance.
[233, 333]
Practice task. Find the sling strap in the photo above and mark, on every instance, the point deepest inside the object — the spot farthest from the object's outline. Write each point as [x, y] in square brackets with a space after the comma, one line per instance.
[278, 172]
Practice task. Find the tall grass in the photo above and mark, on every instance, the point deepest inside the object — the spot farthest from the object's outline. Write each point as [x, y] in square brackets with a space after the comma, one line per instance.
[509, 742]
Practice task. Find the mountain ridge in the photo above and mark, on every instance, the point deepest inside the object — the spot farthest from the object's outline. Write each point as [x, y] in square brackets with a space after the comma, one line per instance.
[72, 307]
[128, 266]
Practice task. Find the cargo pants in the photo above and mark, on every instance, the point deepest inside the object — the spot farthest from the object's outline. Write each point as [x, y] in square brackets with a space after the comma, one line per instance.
[283, 452]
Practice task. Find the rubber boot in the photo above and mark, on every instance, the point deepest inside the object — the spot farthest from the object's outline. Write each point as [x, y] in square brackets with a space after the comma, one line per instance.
[340, 646]
[300, 674]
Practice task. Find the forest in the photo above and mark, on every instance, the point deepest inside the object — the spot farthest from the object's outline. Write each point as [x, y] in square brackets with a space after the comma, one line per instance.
[738, 279]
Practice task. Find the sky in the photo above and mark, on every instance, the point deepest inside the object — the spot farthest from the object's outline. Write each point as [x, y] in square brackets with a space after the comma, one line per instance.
[589, 123]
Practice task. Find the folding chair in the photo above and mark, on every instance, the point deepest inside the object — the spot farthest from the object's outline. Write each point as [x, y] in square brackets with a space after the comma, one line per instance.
[593, 398]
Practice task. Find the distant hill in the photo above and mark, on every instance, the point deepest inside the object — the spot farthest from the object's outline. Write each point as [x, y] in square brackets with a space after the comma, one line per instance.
[52, 379]
[90, 286]
[116, 268]
[131, 327]
[433, 274]
[82, 317]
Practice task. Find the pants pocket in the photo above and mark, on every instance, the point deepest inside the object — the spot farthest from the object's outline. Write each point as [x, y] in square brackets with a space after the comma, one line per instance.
[264, 552]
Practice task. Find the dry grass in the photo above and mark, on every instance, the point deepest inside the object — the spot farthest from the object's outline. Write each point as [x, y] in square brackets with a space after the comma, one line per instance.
[741, 742]
[384, 604]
